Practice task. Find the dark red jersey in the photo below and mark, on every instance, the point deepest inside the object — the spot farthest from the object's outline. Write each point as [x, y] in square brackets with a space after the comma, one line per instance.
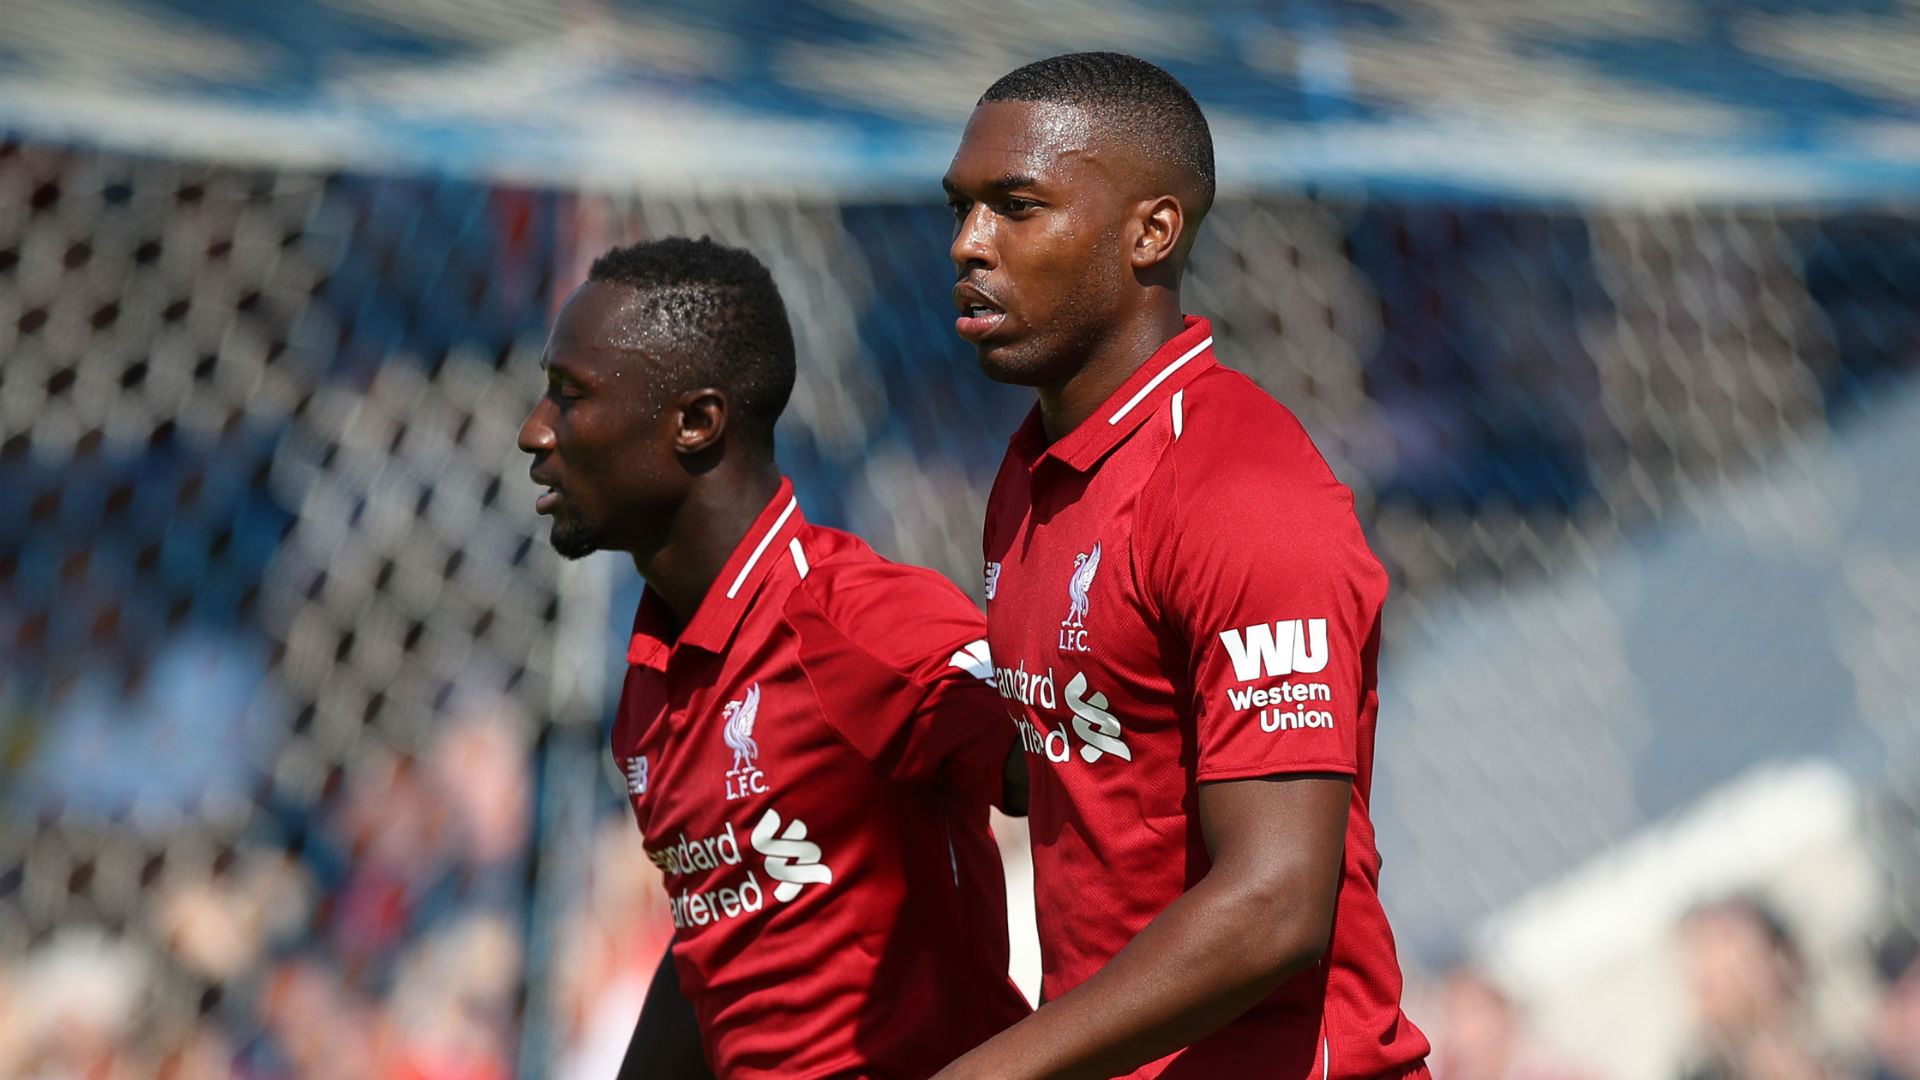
[1179, 592]
[811, 762]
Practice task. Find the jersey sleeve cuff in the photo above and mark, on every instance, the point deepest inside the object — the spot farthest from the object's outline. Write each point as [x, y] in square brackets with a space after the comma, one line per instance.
[1274, 768]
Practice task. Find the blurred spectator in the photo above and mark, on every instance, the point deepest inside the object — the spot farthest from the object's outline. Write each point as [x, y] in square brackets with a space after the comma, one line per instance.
[199, 715]
[1895, 1035]
[220, 927]
[196, 1052]
[386, 825]
[608, 951]
[451, 1012]
[1748, 978]
[1482, 1034]
[313, 1027]
[479, 774]
[74, 1009]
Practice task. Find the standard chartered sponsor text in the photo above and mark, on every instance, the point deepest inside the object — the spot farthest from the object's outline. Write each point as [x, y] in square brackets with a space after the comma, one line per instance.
[791, 860]
[698, 908]
[686, 856]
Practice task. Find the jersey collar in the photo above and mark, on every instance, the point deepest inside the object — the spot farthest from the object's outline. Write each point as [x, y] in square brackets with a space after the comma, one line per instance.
[1165, 373]
[731, 593]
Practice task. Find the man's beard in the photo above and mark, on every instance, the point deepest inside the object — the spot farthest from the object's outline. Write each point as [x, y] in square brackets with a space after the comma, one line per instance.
[574, 539]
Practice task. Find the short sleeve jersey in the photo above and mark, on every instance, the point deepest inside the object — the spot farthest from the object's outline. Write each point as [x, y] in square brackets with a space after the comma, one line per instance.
[810, 762]
[1179, 592]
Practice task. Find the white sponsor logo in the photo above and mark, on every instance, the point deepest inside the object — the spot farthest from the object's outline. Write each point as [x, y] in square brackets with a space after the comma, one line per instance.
[1275, 695]
[1027, 688]
[1278, 719]
[686, 855]
[992, 579]
[691, 908]
[1292, 646]
[1056, 745]
[1099, 728]
[636, 771]
[975, 660]
[745, 778]
[792, 859]
[1073, 636]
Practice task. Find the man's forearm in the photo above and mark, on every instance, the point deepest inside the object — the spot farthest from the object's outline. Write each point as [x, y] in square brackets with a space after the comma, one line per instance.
[1209, 957]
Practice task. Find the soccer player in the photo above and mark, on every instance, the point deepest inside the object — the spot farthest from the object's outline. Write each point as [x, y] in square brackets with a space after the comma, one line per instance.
[808, 739]
[1183, 616]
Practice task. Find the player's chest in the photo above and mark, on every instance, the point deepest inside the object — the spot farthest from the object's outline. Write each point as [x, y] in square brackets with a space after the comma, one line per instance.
[1059, 574]
[702, 746]
[1073, 640]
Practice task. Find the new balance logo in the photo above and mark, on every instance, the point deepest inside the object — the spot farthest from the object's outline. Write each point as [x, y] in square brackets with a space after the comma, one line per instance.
[636, 771]
[792, 859]
[1274, 649]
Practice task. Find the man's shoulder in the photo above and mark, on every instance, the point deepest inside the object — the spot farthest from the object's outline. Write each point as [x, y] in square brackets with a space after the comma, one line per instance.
[1226, 434]
[907, 616]
[1223, 411]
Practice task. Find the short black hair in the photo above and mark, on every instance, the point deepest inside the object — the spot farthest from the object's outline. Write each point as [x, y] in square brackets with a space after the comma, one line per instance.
[720, 308]
[1147, 105]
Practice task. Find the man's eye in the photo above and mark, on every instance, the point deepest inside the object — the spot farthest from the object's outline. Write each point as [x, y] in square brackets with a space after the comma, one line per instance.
[959, 209]
[1018, 206]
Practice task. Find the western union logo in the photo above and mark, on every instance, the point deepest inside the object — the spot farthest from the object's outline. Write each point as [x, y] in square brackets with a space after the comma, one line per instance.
[1275, 649]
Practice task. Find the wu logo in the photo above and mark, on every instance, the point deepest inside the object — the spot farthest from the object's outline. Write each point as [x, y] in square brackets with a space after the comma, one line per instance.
[792, 859]
[636, 771]
[1287, 647]
[1073, 635]
[745, 778]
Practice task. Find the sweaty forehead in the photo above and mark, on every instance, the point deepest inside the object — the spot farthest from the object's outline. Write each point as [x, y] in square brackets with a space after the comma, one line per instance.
[602, 315]
[1037, 139]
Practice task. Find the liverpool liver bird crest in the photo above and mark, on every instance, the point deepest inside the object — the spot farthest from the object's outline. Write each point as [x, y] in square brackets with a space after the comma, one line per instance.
[1077, 586]
[738, 733]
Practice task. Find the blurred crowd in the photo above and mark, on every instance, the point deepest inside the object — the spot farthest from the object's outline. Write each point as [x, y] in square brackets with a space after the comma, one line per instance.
[379, 936]
[385, 942]
[1750, 1011]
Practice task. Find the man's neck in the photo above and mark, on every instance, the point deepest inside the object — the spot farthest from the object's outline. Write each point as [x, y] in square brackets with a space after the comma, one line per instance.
[1109, 364]
[707, 527]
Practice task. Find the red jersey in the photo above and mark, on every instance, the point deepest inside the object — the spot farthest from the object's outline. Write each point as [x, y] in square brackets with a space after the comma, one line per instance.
[1178, 592]
[811, 762]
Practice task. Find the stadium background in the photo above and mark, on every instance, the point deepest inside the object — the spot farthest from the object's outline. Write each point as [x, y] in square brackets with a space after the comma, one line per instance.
[1608, 312]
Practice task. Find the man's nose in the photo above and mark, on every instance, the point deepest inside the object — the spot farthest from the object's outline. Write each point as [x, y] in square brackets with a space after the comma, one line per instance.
[536, 434]
[973, 240]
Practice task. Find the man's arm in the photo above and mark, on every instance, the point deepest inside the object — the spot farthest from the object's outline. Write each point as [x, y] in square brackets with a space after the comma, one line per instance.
[666, 1041]
[1261, 914]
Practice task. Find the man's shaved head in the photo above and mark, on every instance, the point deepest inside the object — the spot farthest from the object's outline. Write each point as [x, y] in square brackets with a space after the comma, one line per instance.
[1137, 103]
[717, 316]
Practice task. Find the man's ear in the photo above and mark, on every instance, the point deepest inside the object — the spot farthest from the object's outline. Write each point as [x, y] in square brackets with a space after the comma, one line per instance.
[1161, 224]
[699, 420]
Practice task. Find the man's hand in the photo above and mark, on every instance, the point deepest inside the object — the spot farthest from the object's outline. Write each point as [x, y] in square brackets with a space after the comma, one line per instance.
[1262, 913]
